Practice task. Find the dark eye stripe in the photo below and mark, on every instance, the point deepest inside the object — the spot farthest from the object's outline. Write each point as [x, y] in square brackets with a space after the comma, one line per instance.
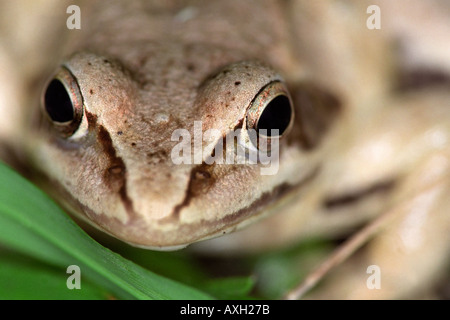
[115, 175]
[316, 111]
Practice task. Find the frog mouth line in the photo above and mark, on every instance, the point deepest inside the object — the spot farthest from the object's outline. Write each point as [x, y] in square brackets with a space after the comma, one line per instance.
[256, 210]
[261, 205]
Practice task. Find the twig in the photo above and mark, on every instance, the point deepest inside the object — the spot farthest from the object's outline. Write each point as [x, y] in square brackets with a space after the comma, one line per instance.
[341, 254]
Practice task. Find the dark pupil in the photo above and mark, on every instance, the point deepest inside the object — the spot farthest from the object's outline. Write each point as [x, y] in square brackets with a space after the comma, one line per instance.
[276, 115]
[58, 103]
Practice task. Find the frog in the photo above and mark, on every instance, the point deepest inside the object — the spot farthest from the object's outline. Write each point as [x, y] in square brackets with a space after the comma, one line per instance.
[357, 140]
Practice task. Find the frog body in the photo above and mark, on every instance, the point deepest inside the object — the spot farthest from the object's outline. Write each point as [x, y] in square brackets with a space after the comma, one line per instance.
[356, 138]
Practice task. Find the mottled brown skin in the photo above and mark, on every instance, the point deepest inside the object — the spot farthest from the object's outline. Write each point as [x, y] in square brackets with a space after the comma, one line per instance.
[134, 100]
[147, 68]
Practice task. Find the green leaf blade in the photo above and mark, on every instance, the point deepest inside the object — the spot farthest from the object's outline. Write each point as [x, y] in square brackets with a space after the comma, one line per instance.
[33, 224]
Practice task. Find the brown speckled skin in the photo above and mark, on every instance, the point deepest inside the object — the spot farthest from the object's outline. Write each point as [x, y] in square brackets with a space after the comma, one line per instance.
[146, 68]
[140, 82]
[370, 134]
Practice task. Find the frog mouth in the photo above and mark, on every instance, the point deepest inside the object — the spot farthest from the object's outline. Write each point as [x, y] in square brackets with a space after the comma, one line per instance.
[262, 206]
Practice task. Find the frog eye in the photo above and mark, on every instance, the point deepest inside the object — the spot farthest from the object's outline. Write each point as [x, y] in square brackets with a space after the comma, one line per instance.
[271, 109]
[62, 103]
